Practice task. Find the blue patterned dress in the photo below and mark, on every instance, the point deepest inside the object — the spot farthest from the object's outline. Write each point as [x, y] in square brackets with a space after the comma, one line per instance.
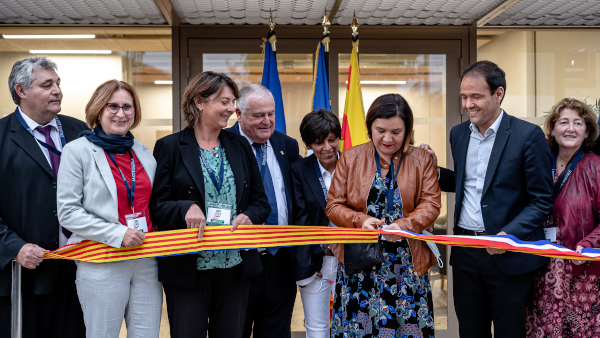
[220, 259]
[390, 300]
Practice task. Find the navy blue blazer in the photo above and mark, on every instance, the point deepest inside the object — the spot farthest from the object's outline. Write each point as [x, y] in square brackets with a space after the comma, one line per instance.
[287, 152]
[517, 191]
[309, 209]
[28, 212]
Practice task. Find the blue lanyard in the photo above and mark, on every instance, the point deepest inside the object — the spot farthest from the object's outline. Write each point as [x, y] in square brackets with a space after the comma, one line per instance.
[566, 173]
[211, 174]
[63, 141]
[321, 180]
[389, 191]
[130, 191]
[263, 164]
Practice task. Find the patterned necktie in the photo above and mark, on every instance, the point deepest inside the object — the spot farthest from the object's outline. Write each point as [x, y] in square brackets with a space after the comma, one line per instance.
[269, 190]
[54, 161]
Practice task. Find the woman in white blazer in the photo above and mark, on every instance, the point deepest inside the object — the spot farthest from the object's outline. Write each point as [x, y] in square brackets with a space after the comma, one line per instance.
[103, 191]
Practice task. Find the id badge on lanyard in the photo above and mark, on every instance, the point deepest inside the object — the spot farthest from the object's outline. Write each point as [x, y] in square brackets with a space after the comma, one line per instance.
[216, 213]
[135, 220]
[550, 234]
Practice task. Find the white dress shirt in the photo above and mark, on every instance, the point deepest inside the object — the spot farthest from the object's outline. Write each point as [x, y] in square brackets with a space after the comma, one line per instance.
[55, 135]
[278, 184]
[478, 156]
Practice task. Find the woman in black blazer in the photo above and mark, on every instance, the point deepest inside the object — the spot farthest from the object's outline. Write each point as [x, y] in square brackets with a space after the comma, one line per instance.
[315, 265]
[206, 176]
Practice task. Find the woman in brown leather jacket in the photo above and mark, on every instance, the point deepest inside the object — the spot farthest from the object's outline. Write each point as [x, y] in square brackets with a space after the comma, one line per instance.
[566, 292]
[393, 298]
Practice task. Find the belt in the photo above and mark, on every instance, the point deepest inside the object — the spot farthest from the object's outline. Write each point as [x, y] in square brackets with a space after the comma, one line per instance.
[466, 232]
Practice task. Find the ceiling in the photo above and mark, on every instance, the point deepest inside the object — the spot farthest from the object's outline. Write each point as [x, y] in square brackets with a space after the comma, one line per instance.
[486, 13]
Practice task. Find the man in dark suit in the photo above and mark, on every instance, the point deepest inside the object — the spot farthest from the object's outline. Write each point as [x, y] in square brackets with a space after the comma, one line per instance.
[273, 291]
[503, 184]
[31, 139]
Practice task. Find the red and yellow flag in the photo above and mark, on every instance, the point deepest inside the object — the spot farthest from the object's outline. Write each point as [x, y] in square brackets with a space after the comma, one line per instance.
[354, 130]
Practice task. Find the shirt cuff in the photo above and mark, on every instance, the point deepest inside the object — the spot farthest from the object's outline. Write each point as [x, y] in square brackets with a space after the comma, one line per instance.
[306, 281]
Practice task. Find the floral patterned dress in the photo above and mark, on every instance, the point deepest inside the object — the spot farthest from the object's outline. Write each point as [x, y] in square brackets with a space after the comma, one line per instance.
[390, 300]
[562, 305]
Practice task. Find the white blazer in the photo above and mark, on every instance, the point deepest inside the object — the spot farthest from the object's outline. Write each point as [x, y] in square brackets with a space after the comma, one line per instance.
[87, 192]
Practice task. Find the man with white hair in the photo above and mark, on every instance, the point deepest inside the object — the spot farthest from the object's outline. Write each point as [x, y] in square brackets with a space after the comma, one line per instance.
[31, 140]
[273, 291]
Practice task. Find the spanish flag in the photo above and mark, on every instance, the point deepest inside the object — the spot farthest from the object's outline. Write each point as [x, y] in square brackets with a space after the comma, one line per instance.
[354, 129]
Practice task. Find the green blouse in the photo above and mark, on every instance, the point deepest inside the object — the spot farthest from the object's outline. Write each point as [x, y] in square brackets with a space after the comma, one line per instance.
[220, 259]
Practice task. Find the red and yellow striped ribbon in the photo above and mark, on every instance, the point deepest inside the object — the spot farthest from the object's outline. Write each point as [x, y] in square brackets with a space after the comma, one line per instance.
[180, 242]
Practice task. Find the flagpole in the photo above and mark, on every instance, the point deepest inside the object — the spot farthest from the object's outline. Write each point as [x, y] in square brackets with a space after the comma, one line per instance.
[16, 319]
[325, 40]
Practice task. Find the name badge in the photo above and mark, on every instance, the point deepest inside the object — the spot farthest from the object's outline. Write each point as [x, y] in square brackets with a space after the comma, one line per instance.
[218, 214]
[137, 221]
[550, 234]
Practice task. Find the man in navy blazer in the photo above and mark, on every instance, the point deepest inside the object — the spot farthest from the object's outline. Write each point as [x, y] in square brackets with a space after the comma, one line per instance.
[503, 184]
[273, 291]
[28, 212]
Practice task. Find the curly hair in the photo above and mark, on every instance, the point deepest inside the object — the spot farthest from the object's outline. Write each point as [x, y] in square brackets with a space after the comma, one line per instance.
[586, 114]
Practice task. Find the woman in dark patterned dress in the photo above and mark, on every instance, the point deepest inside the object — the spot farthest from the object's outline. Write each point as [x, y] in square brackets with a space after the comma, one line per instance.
[566, 293]
[392, 299]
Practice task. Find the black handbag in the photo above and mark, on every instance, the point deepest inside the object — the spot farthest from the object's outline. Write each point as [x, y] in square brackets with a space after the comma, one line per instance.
[362, 256]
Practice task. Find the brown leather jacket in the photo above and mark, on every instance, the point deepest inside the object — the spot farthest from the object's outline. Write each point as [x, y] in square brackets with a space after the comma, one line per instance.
[421, 196]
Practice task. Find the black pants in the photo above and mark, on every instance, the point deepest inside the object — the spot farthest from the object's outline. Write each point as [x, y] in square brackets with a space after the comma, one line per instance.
[53, 315]
[272, 297]
[216, 305]
[482, 294]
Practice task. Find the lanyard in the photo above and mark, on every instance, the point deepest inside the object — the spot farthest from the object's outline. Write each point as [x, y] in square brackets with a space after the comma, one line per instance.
[211, 174]
[321, 180]
[389, 191]
[130, 191]
[565, 174]
[63, 141]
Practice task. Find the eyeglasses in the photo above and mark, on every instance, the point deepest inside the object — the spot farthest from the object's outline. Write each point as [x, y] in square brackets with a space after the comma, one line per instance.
[113, 108]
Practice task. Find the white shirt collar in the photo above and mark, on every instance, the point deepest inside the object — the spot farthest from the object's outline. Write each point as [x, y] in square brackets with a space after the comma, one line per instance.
[247, 138]
[493, 128]
[33, 125]
[323, 170]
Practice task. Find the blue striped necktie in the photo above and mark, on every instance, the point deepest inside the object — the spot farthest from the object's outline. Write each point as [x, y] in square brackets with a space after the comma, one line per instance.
[269, 189]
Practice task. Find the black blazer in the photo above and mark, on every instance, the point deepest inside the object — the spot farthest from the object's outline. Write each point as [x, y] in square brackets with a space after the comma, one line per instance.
[287, 152]
[517, 191]
[28, 203]
[309, 209]
[179, 182]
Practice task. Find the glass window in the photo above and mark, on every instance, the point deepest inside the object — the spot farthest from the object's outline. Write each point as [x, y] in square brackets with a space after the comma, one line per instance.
[82, 73]
[543, 67]
[295, 74]
[421, 80]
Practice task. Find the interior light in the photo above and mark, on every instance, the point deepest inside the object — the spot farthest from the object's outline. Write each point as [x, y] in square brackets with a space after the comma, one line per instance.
[572, 62]
[59, 51]
[382, 82]
[167, 82]
[66, 36]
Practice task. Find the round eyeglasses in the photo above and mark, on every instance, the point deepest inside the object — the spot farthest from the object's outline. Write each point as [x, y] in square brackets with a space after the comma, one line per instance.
[113, 108]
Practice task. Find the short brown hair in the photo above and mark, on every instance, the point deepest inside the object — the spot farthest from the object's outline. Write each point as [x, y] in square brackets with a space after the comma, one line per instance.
[388, 106]
[100, 98]
[203, 85]
[585, 112]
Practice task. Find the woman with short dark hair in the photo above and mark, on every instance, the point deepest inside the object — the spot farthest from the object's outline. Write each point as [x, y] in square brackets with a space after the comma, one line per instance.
[315, 264]
[207, 176]
[566, 292]
[385, 184]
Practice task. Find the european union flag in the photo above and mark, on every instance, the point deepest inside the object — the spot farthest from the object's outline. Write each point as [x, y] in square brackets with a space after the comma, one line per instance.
[270, 79]
[320, 82]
